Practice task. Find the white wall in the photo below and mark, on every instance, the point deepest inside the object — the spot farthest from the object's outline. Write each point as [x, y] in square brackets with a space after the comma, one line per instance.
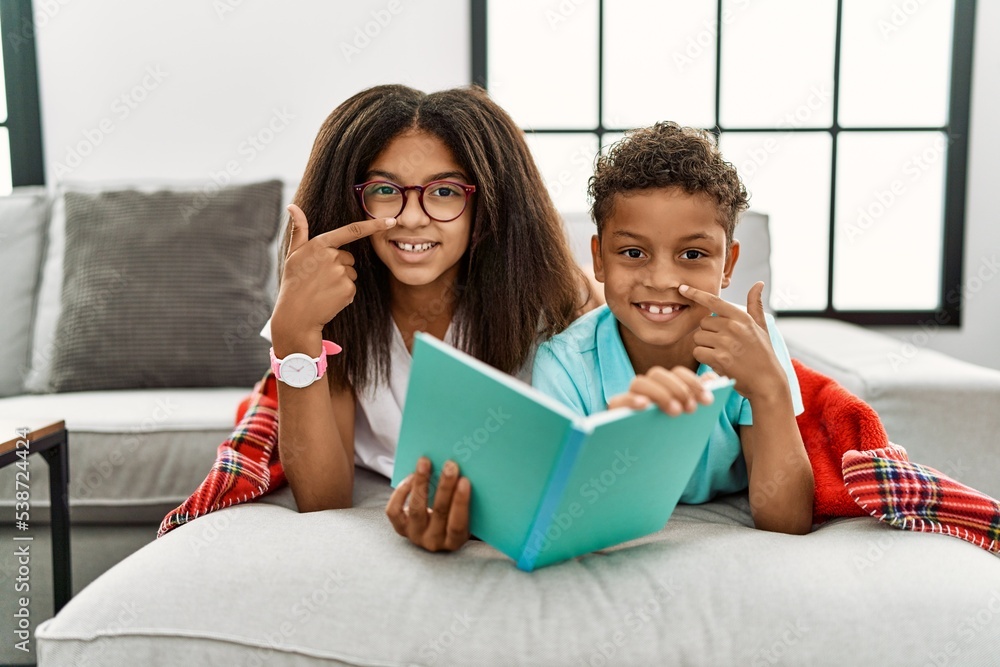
[231, 68]
[227, 70]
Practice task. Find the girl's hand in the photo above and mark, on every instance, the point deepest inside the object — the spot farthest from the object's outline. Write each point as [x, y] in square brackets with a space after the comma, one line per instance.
[444, 528]
[676, 391]
[736, 343]
[318, 277]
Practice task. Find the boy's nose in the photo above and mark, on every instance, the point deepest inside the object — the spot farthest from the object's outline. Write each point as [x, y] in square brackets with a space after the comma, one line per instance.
[660, 276]
[413, 214]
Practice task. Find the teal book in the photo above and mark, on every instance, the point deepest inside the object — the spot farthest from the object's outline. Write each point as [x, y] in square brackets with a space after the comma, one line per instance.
[547, 484]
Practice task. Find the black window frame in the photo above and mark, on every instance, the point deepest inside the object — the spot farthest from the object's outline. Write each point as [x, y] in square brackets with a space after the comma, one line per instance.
[23, 123]
[949, 311]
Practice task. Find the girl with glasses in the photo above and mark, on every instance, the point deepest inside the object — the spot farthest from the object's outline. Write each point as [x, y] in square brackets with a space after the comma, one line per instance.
[417, 212]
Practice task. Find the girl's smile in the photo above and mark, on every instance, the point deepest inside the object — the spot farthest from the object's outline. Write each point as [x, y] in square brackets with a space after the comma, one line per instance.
[420, 251]
[414, 250]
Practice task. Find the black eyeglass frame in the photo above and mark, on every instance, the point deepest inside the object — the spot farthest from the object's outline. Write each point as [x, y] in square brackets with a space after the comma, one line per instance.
[359, 190]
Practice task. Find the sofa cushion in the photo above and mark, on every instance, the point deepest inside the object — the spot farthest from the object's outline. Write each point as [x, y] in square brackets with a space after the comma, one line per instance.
[262, 584]
[134, 455]
[23, 218]
[49, 305]
[165, 289]
[942, 410]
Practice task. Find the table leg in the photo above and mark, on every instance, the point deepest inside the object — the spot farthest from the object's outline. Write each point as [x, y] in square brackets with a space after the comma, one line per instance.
[62, 576]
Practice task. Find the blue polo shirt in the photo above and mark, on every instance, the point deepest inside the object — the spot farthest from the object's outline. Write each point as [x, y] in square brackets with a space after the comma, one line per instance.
[587, 365]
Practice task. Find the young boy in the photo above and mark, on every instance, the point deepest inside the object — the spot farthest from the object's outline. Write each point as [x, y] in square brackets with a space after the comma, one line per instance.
[666, 204]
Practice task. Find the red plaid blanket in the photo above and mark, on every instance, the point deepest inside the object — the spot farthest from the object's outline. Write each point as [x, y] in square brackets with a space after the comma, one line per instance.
[856, 469]
[246, 465]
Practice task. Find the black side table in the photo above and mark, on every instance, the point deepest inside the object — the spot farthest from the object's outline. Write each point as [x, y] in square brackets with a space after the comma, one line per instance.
[51, 440]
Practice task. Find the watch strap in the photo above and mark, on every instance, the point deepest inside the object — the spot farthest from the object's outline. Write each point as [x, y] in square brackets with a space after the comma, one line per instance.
[329, 347]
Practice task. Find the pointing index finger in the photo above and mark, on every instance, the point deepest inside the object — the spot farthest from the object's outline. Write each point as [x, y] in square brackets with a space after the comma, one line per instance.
[335, 238]
[717, 304]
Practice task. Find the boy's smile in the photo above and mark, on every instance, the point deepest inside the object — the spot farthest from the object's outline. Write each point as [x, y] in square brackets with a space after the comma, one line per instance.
[655, 241]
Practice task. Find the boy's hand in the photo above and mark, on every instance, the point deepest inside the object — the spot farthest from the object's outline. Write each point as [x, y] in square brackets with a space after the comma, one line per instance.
[444, 528]
[674, 392]
[736, 343]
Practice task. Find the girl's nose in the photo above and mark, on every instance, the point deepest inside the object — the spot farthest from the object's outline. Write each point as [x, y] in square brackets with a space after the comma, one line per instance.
[412, 215]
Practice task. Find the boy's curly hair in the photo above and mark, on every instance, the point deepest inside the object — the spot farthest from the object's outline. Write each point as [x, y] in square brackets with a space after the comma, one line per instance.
[662, 156]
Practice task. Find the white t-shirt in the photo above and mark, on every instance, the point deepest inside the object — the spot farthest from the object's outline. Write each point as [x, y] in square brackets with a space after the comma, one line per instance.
[378, 412]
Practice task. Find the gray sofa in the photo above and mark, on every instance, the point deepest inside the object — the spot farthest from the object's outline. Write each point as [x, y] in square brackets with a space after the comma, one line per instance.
[262, 584]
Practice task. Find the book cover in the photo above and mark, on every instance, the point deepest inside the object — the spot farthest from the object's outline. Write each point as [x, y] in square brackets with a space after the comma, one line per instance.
[547, 484]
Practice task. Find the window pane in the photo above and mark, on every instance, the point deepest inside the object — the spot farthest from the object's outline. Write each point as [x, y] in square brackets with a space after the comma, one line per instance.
[610, 138]
[3, 88]
[542, 61]
[6, 184]
[659, 62]
[788, 177]
[889, 221]
[566, 162]
[895, 63]
[777, 63]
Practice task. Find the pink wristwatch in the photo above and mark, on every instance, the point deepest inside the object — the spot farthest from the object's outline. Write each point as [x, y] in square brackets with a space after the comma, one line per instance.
[300, 370]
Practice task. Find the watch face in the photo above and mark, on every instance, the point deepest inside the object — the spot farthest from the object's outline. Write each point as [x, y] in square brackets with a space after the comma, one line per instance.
[298, 370]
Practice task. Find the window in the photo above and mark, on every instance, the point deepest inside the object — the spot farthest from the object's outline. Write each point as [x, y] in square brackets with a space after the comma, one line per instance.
[20, 123]
[847, 119]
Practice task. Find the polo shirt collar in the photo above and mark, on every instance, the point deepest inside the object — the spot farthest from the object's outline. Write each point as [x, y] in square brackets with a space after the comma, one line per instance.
[613, 363]
[612, 360]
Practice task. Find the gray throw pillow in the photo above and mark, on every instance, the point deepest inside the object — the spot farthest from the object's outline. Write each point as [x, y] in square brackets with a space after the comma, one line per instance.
[166, 289]
[23, 215]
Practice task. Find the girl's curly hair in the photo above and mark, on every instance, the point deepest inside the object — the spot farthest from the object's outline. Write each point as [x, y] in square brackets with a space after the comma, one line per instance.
[662, 156]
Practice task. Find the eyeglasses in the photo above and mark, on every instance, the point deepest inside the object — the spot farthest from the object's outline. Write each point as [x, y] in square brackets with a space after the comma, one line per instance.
[442, 201]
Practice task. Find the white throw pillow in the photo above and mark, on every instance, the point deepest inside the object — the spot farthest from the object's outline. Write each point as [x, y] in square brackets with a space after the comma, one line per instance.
[23, 215]
[755, 260]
